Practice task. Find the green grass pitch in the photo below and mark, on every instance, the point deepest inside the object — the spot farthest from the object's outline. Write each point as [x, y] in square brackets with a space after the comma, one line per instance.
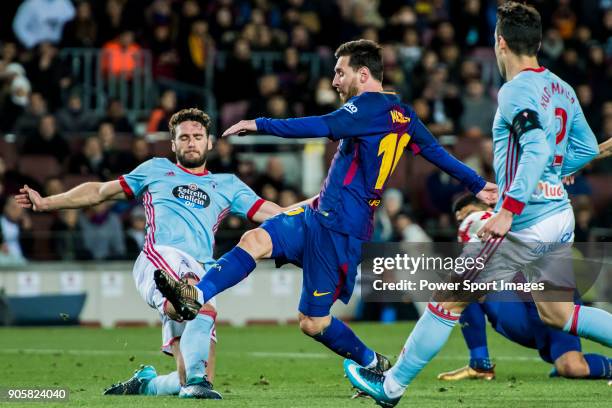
[297, 372]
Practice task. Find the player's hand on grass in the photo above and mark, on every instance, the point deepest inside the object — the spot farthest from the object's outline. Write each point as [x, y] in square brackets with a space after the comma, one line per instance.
[30, 198]
[496, 226]
[568, 180]
[488, 194]
[241, 128]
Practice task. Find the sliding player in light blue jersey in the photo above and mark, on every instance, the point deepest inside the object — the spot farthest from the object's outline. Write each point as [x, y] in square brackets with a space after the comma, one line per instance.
[539, 136]
[184, 205]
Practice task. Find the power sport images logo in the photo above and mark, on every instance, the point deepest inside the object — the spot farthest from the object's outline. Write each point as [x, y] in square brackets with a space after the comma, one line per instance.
[192, 196]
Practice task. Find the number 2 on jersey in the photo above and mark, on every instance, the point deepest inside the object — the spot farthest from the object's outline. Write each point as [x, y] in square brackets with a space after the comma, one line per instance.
[391, 147]
[560, 114]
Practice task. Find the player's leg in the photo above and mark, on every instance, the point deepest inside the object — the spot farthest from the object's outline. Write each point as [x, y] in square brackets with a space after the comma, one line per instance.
[329, 271]
[169, 384]
[584, 321]
[565, 352]
[473, 327]
[211, 364]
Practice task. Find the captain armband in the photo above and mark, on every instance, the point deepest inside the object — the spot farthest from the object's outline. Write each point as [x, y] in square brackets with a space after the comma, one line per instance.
[524, 121]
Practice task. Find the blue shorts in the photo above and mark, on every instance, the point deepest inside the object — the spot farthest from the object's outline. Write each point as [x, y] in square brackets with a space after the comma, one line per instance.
[328, 258]
[520, 323]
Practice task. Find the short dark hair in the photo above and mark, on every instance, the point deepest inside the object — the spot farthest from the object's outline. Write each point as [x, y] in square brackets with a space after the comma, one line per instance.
[186, 115]
[467, 199]
[521, 27]
[363, 53]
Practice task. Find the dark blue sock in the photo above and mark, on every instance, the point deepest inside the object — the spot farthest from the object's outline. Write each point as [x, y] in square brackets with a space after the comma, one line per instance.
[230, 269]
[340, 339]
[473, 327]
[599, 366]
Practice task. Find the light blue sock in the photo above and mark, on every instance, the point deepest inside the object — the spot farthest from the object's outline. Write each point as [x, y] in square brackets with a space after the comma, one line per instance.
[195, 343]
[591, 323]
[427, 338]
[164, 385]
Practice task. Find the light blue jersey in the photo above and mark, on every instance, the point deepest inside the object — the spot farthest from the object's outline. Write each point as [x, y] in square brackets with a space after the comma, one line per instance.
[184, 209]
[539, 135]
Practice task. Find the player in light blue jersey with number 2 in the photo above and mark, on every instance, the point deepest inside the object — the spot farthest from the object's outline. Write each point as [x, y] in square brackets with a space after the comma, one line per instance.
[540, 135]
[184, 205]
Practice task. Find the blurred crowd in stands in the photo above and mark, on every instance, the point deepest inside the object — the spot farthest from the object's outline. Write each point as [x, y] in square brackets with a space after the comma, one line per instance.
[438, 55]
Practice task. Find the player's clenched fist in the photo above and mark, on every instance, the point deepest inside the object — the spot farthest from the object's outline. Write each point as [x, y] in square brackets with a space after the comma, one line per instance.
[30, 198]
[241, 128]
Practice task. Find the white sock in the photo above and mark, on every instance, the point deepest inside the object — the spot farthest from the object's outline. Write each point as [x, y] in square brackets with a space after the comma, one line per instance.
[200, 295]
[392, 388]
[373, 363]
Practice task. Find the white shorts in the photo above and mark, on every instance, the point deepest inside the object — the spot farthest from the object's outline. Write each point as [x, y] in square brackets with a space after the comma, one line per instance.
[541, 252]
[177, 263]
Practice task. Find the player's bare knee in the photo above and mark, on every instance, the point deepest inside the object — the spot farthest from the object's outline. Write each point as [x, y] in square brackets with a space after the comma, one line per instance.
[257, 243]
[572, 365]
[311, 326]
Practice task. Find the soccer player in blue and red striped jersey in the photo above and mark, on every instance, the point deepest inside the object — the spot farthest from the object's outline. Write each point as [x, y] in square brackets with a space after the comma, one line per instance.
[540, 135]
[325, 236]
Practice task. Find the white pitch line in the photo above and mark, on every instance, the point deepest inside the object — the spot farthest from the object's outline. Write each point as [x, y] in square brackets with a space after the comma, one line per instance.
[257, 354]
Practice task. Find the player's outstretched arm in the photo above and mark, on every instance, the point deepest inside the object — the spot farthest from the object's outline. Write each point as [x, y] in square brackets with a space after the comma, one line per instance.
[269, 209]
[581, 146]
[83, 195]
[605, 149]
[307, 127]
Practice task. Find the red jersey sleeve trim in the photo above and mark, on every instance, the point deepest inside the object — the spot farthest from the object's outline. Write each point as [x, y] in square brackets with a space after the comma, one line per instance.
[513, 205]
[126, 188]
[255, 208]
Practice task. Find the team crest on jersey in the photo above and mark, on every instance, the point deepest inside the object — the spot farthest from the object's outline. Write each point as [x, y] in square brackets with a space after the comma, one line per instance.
[192, 196]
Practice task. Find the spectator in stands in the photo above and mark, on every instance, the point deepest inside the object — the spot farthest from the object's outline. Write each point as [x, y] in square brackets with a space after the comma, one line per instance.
[47, 141]
[135, 234]
[112, 22]
[407, 230]
[14, 103]
[274, 177]
[54, 185]
[83, 30]
[223, 160]
[478, 110]
[239, 73]
[325, 98]
[113, 155]
[73, 118]
[195, 53]
[268, 85]
[102, 233]
[15, 227]
[27, 123]
[47, 74]
[165, 57]
[121, 56]
[392, 204]
[115, 114]
[40, 21]
[223, 29]
[158, 120]
[91, 160]
[11, 180]
[278, 108]
[67, 237]
[138, 153]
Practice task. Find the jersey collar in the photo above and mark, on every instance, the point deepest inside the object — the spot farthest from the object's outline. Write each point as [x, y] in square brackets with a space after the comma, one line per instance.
[539, 69]
[186, 170]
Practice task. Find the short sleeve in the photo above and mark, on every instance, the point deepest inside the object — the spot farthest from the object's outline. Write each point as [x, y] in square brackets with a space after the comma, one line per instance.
[244, 200]
[134, 183]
